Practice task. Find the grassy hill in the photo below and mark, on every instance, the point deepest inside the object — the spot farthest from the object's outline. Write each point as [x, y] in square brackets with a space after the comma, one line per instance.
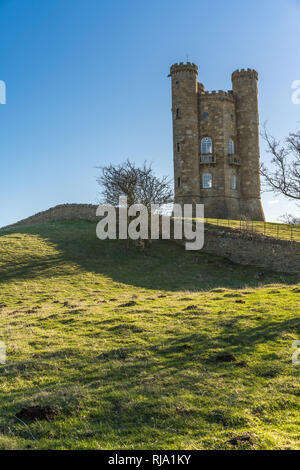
[161, 349]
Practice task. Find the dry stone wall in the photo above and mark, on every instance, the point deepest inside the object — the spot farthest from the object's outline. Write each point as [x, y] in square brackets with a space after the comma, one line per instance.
[253, 250]
[61, 212]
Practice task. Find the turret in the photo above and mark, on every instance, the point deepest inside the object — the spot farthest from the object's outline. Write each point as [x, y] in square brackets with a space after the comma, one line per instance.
[185, 132]
[244, 84]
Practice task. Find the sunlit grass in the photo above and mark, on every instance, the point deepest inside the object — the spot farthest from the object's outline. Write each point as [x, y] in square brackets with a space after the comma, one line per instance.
[124, 345]
[268, 229]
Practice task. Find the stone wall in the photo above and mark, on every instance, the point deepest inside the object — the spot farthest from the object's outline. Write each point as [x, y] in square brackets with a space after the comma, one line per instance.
[61, 212]
[253, 250]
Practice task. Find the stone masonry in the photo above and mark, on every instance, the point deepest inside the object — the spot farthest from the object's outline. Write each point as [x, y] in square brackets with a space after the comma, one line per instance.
[224, 174]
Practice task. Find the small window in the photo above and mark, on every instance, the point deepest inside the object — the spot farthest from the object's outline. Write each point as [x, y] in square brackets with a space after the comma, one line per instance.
[178, 148]
[207, 181]
[178, 182]
[177, 83]
[206, 146]
[231, 150]
[233, 182]
[178, 113]
[205, 115]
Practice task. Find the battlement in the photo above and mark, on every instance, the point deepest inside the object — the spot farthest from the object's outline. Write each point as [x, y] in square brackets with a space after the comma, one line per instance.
[217, 95]
[249, 73]
[182, 67]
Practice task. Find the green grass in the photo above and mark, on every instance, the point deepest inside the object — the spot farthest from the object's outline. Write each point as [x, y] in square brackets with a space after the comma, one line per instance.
[143, 376]
[269, 229]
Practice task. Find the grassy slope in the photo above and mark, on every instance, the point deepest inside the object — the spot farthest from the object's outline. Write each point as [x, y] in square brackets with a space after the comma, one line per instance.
[142, 376]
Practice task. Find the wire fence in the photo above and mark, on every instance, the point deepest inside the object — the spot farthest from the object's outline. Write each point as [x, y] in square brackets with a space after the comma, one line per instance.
[268, 229]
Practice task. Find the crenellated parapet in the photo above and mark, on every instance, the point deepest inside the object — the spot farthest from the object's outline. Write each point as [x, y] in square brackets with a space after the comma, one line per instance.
[217, 95]
[183, 67]
[243, 73]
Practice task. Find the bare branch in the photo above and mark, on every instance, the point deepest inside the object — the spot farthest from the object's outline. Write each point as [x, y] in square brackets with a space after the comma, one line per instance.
[284, 175]
[139, 184]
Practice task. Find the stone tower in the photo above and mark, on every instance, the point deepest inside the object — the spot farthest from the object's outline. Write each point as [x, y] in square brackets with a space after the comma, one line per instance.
[216, 144]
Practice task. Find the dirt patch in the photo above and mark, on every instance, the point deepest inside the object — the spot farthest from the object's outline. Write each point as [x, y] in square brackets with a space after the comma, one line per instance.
[33, 310]
[132, 303]
[120, 328]
[232, 295]
[225, 358]
[184, 347]
[242, 364]
[37, 413]
[235, 441]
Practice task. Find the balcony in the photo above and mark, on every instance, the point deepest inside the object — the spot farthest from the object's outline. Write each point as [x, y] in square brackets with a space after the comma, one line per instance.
[208, 160]
[234, 160]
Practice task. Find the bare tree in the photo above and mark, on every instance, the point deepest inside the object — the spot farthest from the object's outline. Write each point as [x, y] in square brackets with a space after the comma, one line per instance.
[290, 219]
[284, 176]
[138, 184]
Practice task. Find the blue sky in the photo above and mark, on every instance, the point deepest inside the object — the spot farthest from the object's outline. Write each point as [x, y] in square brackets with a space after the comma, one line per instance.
[87, 85]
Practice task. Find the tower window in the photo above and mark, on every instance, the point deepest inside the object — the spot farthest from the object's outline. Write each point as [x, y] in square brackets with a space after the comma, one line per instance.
[233, 182]
[178, 113]
[206, 146]
[207, 181]
[178, 182]
[178, 147]
[177, 83]
[231, 149]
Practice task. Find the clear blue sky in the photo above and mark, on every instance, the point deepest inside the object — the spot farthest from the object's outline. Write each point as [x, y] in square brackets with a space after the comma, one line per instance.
[87, 85]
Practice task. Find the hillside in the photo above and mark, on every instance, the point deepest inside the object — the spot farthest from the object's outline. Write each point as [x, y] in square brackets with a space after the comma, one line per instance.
[161, 349]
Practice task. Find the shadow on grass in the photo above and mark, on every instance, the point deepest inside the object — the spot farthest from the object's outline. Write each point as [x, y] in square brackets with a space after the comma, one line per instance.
[118, 378]
[163, 266]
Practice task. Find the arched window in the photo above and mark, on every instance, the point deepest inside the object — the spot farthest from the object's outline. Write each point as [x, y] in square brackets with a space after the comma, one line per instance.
[231, 150]
[206, 146]
[207, 181]
[233, 181]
